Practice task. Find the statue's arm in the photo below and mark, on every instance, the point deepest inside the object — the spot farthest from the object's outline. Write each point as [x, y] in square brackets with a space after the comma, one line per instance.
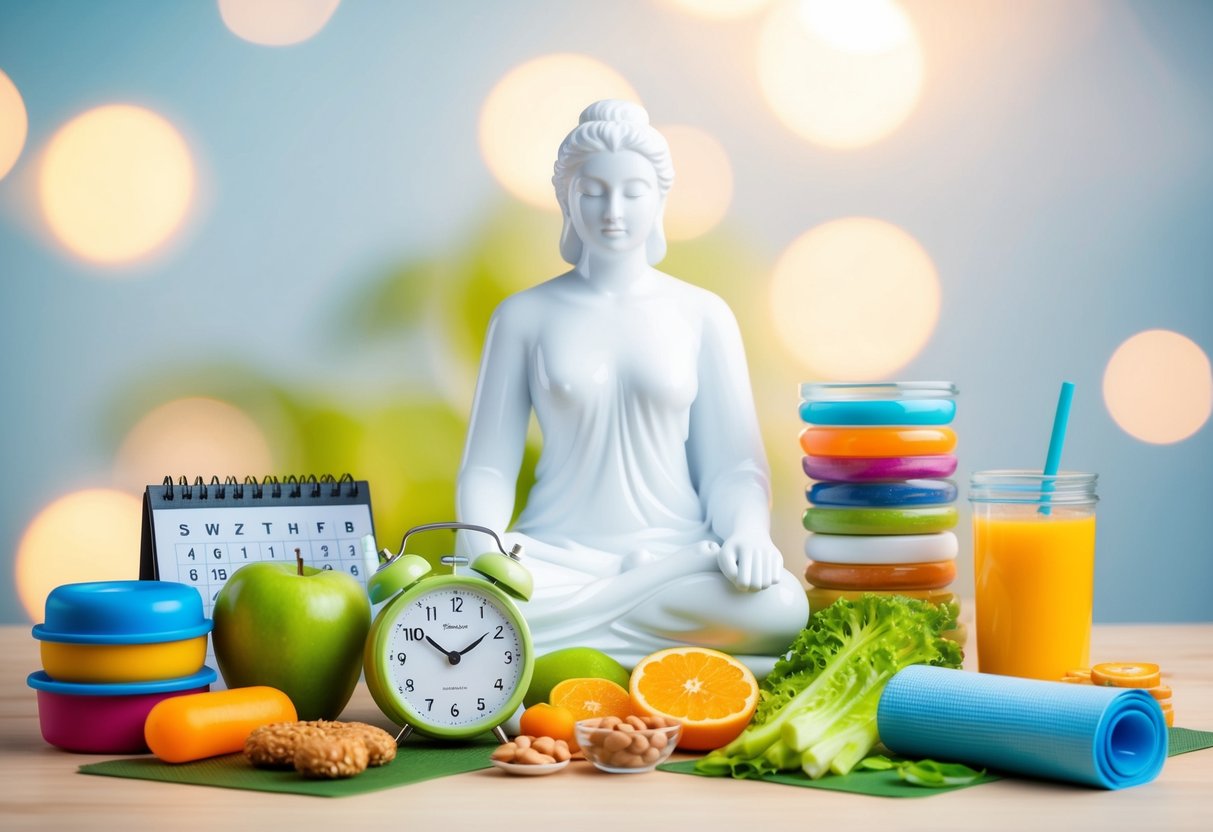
[496, 438]
[727, 458]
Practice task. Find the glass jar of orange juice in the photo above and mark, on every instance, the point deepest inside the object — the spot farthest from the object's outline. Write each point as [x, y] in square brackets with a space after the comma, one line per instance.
[1034, 563]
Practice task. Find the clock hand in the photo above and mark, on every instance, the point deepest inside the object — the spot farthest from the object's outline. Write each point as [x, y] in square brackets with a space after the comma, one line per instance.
[451, 656]
[468, 649]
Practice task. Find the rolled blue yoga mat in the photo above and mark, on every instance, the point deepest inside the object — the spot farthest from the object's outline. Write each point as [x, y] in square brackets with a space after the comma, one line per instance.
[1098, 736]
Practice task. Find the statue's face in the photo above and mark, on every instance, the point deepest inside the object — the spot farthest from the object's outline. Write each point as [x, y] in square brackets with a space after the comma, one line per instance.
[614, 201]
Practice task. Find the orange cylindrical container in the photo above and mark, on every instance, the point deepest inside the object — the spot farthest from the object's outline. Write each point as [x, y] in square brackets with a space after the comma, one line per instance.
[1034, 562]
[817, 440]
[201, 725]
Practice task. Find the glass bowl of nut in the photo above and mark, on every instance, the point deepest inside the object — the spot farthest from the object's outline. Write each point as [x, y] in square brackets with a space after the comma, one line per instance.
[627, 746]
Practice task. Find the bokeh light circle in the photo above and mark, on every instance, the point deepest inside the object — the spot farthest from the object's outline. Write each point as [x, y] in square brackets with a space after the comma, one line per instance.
[193, 437]
[276, 22]
[1158, 386]
[88, 535]
[854, 299]
[115, 183]
[840, 73]
[530, 111]
[719, 9]
[703, 182]
[14, 124]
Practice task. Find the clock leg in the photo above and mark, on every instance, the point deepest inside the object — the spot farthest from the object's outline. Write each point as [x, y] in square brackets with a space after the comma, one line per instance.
[404, 734]
[500, 734]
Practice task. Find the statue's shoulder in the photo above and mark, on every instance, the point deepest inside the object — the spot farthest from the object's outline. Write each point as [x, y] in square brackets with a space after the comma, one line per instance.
[526, 308]
[710, 306]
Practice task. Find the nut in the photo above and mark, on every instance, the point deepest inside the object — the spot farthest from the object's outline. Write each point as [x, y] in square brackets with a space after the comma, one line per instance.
[532, 751]
[635, 742]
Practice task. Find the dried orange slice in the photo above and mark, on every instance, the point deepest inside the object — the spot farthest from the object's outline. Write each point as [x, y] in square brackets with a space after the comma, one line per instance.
[1082, 673]
[1168, 713]
[711, 693]
[588, 698]
[1161, 692]
[1126, 674]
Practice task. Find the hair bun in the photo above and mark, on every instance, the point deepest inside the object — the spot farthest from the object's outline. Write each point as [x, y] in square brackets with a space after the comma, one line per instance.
[615, 109]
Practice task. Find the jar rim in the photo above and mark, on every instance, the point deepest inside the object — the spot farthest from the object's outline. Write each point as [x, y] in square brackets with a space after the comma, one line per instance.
[863, 390]
[1033, 486]
[1019, 475]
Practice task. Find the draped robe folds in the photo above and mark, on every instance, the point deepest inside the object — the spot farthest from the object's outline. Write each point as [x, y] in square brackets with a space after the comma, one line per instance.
[648, 428]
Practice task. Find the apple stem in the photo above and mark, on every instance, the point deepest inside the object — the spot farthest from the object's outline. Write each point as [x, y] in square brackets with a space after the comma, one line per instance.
[299, 561]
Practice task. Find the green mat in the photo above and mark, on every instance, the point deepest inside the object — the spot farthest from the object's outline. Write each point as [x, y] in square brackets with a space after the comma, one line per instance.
[889, 784]
[420, 760]
[416, 761]
[875, 783]
[1183, 740]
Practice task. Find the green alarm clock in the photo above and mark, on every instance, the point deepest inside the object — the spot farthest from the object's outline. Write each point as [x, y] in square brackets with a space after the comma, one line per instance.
[449, 655]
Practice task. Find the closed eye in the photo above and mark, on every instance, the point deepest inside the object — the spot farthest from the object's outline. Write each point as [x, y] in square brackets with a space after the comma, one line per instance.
[590, 187]
[636, 188]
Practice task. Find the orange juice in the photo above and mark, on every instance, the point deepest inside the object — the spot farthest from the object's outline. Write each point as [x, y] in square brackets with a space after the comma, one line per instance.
[1035, 581]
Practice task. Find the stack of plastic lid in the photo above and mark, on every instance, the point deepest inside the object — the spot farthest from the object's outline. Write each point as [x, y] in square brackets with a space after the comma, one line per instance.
[881, 506]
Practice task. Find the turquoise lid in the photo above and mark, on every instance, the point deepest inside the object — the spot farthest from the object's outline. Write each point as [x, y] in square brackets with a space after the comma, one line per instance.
[123, 612]
[38, 680]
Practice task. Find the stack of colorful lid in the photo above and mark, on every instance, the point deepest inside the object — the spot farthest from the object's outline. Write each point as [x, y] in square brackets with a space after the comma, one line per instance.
[881, 507]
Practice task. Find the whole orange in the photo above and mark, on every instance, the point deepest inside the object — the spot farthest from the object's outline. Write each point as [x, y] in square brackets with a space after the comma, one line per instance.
[544, 720]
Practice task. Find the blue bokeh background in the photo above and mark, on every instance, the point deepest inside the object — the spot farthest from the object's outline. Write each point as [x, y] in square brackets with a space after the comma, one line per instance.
[1058, 169]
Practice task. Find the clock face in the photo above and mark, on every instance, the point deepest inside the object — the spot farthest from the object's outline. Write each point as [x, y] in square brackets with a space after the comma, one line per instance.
[454, 657]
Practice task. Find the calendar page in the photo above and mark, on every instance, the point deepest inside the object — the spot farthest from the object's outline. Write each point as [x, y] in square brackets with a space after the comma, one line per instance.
[201, 534]
[207, 545]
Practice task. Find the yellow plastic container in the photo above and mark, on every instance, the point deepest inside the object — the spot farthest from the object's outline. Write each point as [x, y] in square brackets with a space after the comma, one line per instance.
[114, 632]
[110, 663]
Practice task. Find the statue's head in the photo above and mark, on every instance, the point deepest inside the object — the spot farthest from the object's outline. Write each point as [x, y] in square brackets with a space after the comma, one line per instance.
[605, 127]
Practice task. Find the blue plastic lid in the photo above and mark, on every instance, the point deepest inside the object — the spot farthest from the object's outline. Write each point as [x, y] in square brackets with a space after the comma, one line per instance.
[123, 612]
[38, 680]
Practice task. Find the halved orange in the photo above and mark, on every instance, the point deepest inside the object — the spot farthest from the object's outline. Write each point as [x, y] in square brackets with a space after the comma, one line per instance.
[588, 698]
[711, 693]
[1126, 674]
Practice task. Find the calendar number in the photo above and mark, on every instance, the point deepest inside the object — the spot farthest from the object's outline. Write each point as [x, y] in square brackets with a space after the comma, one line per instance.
[204, 544]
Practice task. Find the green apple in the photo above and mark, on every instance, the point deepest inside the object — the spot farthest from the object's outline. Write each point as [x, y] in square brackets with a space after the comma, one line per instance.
[295, 628]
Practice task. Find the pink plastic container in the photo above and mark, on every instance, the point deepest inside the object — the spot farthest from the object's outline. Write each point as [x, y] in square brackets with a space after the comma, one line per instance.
[105, 719]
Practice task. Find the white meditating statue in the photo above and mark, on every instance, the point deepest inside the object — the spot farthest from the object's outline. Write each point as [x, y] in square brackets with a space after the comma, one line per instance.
[648, 525]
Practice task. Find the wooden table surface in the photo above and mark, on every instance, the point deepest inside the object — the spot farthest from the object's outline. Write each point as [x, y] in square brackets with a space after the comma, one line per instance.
[41, 788]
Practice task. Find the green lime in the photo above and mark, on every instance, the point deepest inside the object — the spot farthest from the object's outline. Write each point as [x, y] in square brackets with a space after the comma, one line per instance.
[572, 663]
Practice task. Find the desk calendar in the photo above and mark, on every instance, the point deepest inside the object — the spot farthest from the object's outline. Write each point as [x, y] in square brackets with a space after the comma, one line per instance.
[200, 533]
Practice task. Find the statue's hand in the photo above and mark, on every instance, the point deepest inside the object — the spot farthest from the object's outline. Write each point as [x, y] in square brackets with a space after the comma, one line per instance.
[750, 562]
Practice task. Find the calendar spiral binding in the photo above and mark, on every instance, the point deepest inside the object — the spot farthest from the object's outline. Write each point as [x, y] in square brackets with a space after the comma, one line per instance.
[270, 487]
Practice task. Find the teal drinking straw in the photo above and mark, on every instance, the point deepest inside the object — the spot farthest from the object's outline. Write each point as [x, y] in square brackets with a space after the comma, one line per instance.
[1053, 459]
